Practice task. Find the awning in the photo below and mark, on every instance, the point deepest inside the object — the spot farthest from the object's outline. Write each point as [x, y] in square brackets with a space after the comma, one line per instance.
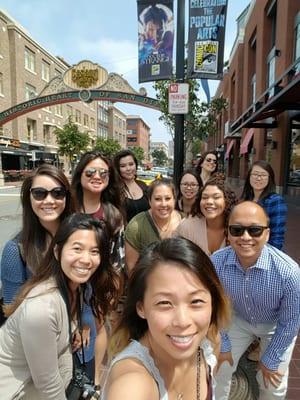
[229, 147]
[246, 141]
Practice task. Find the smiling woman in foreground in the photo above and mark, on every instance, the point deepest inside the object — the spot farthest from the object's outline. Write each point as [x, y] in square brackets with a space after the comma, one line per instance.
[173, 332]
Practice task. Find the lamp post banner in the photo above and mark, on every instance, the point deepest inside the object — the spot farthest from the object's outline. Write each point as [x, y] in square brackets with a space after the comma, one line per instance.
[155, 39]
[207, 20]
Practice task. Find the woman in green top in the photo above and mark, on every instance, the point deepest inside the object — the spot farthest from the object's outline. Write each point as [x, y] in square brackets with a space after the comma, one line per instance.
[159, 222]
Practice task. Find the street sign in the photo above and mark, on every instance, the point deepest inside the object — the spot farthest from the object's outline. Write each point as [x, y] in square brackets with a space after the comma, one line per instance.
[178, 98]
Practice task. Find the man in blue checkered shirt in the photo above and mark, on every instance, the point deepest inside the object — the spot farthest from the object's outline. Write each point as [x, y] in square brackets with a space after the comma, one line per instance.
[263, 284]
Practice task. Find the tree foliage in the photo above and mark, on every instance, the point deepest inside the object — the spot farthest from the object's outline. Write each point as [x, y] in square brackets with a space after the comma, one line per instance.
[200, 122]
[159, 157]
[71, 142]
[108, 147]
[138, 152]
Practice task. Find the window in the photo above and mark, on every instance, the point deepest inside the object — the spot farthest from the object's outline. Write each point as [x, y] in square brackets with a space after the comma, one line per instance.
[92, 123]
[297, 41]
[29, 60]
[69, 111]
[131, 131]
[1, 84]
[131, 122]
[31, 130]
[78, 116]
[30, 91]
[46, 134]
[253, 87]
[58, 110]
[45, 71]
[131, 139]
[85, 120]
[271, 71]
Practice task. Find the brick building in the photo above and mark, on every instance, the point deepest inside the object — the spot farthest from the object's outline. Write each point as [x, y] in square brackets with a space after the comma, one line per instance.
[262, 86]
[25, 69]
[138, 134]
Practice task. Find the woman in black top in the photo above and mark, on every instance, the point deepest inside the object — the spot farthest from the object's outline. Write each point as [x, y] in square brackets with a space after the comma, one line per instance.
[133, 190]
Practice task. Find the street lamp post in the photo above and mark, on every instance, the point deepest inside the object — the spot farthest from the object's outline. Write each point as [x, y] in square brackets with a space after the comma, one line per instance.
[179, 118]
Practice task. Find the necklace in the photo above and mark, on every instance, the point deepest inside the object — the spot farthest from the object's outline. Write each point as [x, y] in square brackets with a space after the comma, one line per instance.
[162, 229]
[180, 395]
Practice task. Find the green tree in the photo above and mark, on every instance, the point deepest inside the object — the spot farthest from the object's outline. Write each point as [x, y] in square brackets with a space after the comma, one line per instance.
[71, 142]
[108, 147]
[201, 120]
[159, 157]
[138, 152]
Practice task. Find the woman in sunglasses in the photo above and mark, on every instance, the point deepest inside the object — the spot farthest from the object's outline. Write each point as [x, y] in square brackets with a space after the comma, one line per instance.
[96, 191]
[46, 201]
[207, 166]
[35, 342]
[206, 225]
[260, 187]
[189, 186]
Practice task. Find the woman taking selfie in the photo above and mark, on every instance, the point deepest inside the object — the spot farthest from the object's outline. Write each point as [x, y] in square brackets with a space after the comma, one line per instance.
[158, 223]
[46, 201]
[168, 338]
[207, 223]
[35, 348]
[134, 192]
[260, 187]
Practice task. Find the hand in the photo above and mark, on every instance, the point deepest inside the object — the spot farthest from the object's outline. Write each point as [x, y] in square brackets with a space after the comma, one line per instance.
[227, 356]
[76, 341]
[86, 332]
[269, 376]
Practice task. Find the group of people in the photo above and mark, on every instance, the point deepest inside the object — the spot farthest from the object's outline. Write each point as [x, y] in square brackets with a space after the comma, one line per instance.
[168, 286]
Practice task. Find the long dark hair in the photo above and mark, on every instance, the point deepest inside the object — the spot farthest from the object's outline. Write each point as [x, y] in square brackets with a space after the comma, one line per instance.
[110, 197]
[33, 237]
[229, 197]
[186, 255]
[102, 282]
[203, 156]
[248, 193]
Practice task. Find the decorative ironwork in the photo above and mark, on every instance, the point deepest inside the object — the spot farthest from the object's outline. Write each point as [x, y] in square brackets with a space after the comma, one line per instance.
[117, 83]
[85, 77]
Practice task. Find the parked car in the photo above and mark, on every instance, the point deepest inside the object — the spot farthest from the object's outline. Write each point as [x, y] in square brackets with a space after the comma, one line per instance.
[148, 176]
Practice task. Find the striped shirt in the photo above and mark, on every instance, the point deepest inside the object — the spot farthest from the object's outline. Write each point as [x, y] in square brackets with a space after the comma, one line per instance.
[267, 292]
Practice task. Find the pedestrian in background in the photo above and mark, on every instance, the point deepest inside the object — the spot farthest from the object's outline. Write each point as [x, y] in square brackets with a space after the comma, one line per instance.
[35, 348]
[207, 166]
[46, 201]
[260, 187]
[166, 343]
[133, 191]
[263, 285]
[188, 188]
[158, 223]
[206, 226]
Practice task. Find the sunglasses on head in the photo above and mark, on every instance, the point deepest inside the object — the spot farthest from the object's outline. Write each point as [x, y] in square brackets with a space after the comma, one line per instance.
[211, 160]
[103, 173]
[57, 193]
[253, 231]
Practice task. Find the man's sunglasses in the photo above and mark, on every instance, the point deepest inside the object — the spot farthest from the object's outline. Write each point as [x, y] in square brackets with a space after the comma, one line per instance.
[103, 173]
[211, 160]
[253, 231]
[57, 193]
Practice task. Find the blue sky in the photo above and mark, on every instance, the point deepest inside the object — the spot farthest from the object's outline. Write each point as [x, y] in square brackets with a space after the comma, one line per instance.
[103, 31]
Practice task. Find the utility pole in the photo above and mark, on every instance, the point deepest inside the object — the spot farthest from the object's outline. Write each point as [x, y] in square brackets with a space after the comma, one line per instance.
[179, 118]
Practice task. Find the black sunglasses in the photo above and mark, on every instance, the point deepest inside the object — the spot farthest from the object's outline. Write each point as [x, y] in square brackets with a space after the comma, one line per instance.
[103, 173]
[57, 193]
[211, 160]
[254, 230]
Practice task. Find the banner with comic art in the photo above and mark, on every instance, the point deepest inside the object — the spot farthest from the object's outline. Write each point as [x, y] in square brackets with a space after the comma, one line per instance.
[156, 36]
[207, 19]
